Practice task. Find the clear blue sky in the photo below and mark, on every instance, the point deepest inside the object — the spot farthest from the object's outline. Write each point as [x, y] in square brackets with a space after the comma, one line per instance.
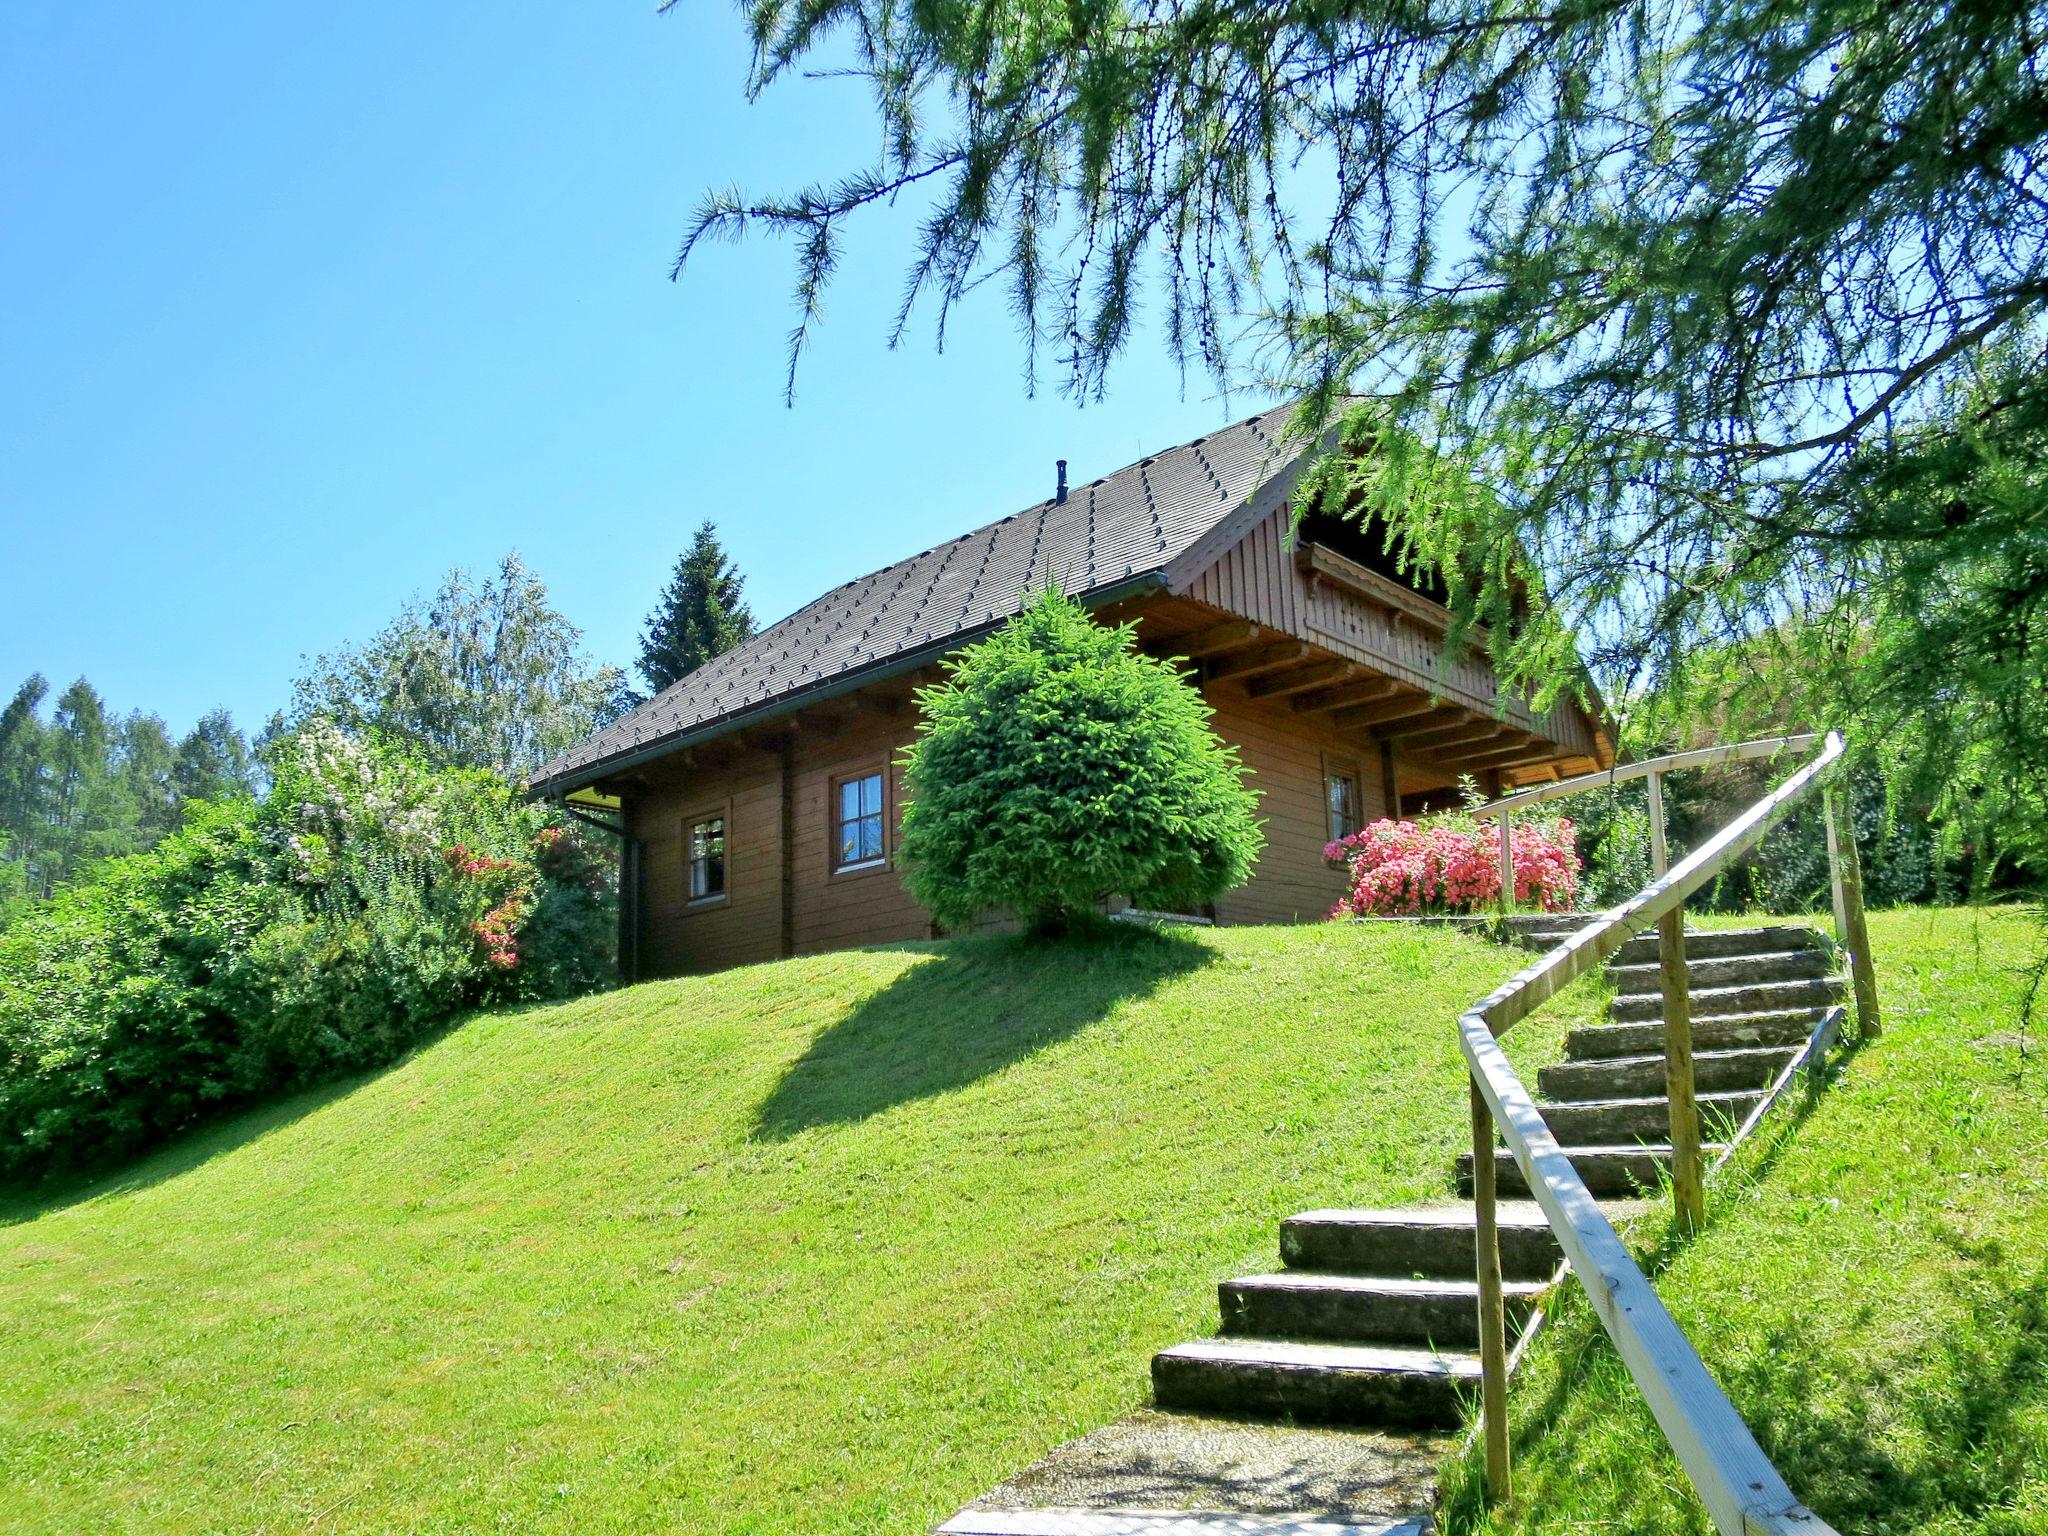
[305, 305]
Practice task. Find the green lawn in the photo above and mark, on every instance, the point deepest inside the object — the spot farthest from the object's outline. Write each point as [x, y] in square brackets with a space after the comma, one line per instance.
[1872, 1291]
[824, 1246]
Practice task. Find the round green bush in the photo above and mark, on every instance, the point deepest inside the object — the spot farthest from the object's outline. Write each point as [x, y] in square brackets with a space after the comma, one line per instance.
[1058, 766]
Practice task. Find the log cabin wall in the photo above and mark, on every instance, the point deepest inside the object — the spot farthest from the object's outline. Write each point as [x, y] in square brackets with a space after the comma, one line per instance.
[1288, 759]
[826, 909]
[744, 785]
[844, 909]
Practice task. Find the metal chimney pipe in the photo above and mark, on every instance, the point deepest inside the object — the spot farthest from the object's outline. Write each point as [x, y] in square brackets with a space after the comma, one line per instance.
[1060, 496]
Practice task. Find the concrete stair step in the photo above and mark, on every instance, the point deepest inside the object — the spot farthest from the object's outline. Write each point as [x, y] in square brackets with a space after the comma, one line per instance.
[1734, 1032]
[1632, 1077]
[1626, 1122]
[1609, 1172]
[1423, 1241]
[1720, 943]
[1727, 971]
[1148, 1522]
[1302, 1304]
[1724, 1002]
[1317, 1382]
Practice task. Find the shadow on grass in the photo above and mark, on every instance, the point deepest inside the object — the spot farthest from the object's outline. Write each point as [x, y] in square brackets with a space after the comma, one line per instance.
[189, 1150]
[966, 1012]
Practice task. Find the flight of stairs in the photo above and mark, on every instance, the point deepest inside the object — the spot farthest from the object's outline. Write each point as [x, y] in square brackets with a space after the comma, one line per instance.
[1372, 1318]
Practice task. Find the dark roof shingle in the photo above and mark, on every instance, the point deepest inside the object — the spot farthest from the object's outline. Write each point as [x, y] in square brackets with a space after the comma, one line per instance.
[1126, 525]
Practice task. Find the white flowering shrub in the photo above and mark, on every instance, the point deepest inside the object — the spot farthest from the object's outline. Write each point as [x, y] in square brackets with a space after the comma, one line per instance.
[366, 902]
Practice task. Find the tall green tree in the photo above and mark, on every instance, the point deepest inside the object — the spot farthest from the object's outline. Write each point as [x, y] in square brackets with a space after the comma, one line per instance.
[24, 788]
[702, 613]
[146, 762]
[1737, 309]
[213, 761]
[485, 674]
[92, 811]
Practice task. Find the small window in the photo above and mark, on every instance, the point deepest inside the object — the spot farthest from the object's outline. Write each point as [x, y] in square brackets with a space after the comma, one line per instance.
[857, 822]
[1341, 789]
[707, 859]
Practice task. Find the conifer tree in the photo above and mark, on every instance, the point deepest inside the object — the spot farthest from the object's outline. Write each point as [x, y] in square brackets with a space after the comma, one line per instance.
[702, 614]
[24, 784]
[213, 761]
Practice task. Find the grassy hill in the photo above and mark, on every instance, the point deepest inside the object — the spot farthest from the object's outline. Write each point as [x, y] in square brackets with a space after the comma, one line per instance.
[1872, 1291]
[822, 1246]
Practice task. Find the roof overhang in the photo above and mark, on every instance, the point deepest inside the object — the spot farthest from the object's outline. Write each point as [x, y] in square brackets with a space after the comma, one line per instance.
[575, 783]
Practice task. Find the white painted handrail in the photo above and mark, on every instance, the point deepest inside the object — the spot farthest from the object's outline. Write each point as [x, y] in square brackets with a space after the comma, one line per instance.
[1519, 995]
[1699, 757]
[1741, 1489]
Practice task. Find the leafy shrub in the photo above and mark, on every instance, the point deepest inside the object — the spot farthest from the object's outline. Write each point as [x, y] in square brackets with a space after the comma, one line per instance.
[1451, 863]
[365, 902]
[1057, 766]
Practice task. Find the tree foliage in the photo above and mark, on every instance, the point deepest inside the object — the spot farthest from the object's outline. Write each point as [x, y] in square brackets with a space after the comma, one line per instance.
[272, 943]
[1057, 766]
[1735, 308]
[484, 675]
[702, 613]
[85, 785]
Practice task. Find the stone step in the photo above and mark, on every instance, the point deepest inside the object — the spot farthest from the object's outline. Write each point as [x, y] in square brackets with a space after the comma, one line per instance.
[1634, 1077]
[1720, 943]
[1426, 1241]
[1153, 1522]
[1784, 1026]
[1625, 1122]
[1728, 970]
[1317, 1383]
[1725, 1002]
[1303, 1304]
[1609, 1172]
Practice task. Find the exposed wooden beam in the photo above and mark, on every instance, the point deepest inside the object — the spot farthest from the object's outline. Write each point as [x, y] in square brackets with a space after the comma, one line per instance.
[1314, 674]
[1402, 707]
[1347, 694]
[1507, 757]
[1216, 640]
[1428, 723]
[1267, 658]
[1463, 734]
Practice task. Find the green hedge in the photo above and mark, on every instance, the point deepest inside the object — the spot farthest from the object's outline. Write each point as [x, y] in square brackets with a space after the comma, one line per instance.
[365, 902]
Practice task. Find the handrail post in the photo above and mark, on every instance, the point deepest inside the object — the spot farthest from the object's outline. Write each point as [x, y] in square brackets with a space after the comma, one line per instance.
[1688, 1195]
[1507, 864]
[1493, 1339]
[1845, 865]
[1660, 855]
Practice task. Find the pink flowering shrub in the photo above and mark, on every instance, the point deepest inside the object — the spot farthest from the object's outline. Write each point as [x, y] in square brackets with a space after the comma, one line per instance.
[1451, 863]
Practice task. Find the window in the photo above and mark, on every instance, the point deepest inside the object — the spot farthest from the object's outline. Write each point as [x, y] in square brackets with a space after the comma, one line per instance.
[707, 858]
[857, 822]
[1340, 788]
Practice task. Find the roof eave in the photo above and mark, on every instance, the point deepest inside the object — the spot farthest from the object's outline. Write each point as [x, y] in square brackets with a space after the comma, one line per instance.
[557, 785]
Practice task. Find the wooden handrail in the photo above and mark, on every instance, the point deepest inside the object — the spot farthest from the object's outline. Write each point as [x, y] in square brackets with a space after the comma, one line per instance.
[1622, 773]
[1742, 1491]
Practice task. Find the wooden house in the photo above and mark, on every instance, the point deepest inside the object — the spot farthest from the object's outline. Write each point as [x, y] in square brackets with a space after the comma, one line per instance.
[759, 797]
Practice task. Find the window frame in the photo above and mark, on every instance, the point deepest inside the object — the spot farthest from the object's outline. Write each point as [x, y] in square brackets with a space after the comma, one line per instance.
[1336, 767]
[720, 812]
[878, 768]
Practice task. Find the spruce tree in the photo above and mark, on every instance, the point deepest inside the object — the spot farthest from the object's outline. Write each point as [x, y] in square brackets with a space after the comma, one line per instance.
[25, 785]
[1058, 765]
[702, 614]
[213, 761]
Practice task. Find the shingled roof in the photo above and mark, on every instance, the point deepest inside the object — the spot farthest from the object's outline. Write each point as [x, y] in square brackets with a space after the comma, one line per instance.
[1117, 532]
